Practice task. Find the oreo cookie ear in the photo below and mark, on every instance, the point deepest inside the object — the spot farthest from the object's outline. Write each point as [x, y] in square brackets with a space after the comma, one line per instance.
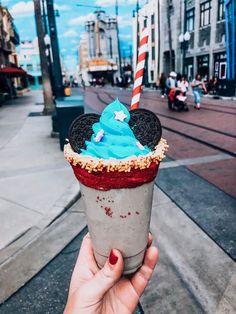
[81, 130]
[146, 127]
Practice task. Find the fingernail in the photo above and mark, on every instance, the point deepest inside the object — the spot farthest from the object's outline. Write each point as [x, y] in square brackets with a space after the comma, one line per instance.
[113, 258]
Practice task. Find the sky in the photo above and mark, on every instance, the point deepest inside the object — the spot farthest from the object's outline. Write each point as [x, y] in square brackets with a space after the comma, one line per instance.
[71, 22]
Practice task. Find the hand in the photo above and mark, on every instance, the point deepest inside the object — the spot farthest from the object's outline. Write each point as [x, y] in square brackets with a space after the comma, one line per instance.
[104, 291]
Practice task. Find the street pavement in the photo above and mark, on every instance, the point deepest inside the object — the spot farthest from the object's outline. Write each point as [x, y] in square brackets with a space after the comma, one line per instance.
[192, 221]
[36, 183]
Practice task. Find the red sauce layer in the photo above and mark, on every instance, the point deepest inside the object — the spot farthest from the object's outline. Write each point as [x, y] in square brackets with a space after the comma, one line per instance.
[104, 180]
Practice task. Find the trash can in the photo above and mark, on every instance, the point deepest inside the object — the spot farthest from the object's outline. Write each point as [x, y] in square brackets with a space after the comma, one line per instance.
[67, 111]
[226, 87]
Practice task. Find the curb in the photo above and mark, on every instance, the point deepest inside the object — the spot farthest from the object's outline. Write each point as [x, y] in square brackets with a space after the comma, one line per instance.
[28, 254]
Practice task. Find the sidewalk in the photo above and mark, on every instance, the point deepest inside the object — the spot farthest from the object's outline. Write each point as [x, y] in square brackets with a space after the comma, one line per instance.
[37, 190]
[36, 183]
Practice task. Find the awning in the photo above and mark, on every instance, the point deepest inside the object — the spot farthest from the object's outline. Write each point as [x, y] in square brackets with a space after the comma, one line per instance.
[13, 71]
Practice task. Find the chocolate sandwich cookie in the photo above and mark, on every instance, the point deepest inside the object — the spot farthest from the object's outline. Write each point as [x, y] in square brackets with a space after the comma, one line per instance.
[81, 130]
[146, 127]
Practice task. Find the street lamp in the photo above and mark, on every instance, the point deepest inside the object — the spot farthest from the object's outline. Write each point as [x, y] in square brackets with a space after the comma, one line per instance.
[47, 42]
[57, 73]
[184, 42]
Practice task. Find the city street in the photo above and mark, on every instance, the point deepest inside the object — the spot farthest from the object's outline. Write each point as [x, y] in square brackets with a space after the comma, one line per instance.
[193, 209]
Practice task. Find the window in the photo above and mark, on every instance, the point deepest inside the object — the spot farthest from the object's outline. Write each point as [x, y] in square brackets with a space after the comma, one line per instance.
[145, 23]
[152, 75]
[190, 20]
[220, 65]
[203, 66]
[205, 13]
[153, 53]
[221, 10]
[153, 35]
[29, 67]
[222, 73]
[152, 19]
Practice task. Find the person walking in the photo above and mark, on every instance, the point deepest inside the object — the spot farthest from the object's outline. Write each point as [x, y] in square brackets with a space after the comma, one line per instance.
[171, 84]
[83, 83]
[183, 85]
[198, 86]
[162, 84]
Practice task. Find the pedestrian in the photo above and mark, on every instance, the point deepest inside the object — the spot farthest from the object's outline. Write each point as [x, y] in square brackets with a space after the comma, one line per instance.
[94, 290]
[83, 83]
[198, 86]
[211, 86]
[183, 85]
[162, 84]
[171, 84]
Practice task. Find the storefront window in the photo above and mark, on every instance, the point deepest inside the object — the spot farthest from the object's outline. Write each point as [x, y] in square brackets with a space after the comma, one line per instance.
[222, 73]
[205, 10]
[188, 68]
[203, 66]
[220, 63]
[190, 20]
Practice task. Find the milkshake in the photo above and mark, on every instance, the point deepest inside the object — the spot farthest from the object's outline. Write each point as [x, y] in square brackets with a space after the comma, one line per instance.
[116, 157]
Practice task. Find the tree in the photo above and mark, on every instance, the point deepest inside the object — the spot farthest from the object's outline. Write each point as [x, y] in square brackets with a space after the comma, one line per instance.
[47, 87]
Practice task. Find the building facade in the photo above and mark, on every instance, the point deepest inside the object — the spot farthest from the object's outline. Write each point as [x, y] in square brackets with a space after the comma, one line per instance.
[29, 60]
[98, 51]
[148, 17]
[206, 52]
[189, 37]
[9, 38]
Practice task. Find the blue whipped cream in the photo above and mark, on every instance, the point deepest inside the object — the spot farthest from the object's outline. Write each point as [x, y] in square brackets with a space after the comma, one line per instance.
[112, 136]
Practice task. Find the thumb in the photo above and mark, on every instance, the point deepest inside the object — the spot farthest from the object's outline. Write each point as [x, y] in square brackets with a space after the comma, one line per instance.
[106, 277]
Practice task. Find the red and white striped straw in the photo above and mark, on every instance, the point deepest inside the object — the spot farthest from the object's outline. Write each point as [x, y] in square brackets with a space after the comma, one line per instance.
[142, 52]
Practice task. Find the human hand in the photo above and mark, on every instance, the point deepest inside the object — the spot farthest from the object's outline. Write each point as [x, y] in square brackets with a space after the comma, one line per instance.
[104, 291]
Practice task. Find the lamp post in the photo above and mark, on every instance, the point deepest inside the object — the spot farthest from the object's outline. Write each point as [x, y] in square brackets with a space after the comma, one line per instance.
[57, 73]
[184, 42]
[118, 38]
[47, 89]
[47, 42]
